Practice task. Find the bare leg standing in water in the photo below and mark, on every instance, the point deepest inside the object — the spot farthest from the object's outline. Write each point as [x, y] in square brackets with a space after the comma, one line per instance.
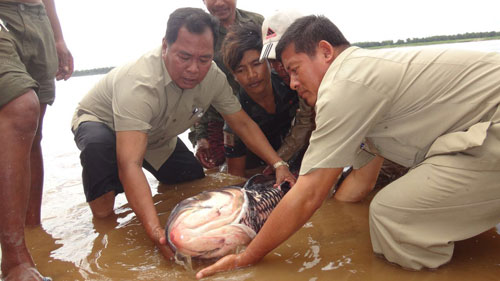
[33, 53]
[36, 163]
[18, 124]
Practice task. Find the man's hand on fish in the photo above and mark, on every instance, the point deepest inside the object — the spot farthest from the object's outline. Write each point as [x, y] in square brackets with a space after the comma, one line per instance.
[202, 152]
[160, 240]
[284, 174]
[298, 205]
[227, 263]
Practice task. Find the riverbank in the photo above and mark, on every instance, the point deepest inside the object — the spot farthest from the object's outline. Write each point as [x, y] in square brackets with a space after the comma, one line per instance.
[433, 42]
[369, 45]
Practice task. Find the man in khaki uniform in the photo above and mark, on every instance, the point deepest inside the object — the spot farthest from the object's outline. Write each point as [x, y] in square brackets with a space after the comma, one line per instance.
[434, 110]
[273, 28]
[132, 117]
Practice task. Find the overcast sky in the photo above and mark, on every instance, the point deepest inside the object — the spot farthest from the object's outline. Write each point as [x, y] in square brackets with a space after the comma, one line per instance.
[103, 33]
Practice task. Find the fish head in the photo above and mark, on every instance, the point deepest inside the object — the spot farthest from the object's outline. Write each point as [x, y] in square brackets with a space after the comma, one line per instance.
[206, 225]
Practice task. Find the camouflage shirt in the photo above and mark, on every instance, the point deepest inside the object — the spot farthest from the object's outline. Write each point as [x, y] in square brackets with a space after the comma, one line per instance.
[242, 17]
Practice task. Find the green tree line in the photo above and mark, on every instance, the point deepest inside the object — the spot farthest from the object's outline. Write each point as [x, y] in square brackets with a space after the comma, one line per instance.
[432, 39]
[94, 71]
[382, 44]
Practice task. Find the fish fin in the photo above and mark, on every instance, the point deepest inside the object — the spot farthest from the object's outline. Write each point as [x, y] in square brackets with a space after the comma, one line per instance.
[259, 182]
[245, 228]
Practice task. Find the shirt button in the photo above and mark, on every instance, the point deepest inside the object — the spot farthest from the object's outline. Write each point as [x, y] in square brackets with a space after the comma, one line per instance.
[21, 6]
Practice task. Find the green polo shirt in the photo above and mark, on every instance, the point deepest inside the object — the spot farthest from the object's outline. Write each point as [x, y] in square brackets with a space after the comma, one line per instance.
[408, 104]
[141, 96]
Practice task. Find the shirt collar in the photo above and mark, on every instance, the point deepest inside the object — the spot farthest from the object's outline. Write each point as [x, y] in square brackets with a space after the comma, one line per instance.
[342, 56]
[166, 75]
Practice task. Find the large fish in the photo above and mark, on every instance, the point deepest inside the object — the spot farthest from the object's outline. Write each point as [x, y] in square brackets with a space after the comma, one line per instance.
[215, 223]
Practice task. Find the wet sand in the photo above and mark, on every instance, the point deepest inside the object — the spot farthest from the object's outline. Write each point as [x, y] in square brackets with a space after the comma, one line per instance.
[333, 245]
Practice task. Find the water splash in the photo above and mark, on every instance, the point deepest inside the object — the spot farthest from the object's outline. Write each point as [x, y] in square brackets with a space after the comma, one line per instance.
[312, 252]
[337, 264]
[308, 225]
[185, 261]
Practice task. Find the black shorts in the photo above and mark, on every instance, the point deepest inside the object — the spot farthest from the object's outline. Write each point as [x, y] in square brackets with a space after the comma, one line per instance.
[97, 143]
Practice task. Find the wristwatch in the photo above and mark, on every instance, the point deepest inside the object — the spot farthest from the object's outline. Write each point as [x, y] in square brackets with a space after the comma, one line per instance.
[279, 164]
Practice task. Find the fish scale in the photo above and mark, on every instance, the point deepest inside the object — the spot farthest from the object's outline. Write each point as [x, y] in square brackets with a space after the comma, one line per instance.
[260, 206]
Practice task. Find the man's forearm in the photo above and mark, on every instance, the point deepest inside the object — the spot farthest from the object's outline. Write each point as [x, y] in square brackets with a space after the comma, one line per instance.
[138, 193]
[298, 205]
[360, 182]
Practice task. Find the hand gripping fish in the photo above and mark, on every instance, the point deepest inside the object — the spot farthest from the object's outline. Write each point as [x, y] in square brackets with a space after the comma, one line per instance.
[215, 223]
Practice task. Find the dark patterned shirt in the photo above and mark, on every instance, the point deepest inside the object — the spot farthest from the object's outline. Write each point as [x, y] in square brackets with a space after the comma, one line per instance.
[274, 126]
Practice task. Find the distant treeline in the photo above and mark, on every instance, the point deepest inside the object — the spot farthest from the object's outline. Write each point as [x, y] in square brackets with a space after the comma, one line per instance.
[427, 40]
[94, 71]
[382, 44]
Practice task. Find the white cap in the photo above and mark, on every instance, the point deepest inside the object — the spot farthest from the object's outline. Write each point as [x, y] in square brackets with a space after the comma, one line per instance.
[273, 28]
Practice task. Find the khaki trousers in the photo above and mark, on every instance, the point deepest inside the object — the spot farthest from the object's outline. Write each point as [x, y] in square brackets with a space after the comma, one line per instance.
[415, 220]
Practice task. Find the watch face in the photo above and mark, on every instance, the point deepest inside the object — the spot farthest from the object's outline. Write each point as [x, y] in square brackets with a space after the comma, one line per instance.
[280, 163]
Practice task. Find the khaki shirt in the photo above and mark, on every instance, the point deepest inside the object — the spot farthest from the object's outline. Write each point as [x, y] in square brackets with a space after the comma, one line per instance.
[141, 96]
[408, 104]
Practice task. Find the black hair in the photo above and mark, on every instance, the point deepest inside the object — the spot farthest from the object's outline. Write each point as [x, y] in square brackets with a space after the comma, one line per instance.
[306, 32]
[239, 39]
[194, 19]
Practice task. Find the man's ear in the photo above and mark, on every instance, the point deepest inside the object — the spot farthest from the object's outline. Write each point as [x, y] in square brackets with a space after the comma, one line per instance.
[326, 51]
[164, 46]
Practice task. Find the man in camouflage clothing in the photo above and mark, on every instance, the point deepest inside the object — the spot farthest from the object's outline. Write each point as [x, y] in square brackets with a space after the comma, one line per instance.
[207, 134]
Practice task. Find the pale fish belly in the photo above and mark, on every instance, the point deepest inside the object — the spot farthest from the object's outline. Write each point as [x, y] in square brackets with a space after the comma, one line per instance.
[215, 223]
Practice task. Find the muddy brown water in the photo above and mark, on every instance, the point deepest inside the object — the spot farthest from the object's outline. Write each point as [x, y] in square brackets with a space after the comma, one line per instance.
[333, 245]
